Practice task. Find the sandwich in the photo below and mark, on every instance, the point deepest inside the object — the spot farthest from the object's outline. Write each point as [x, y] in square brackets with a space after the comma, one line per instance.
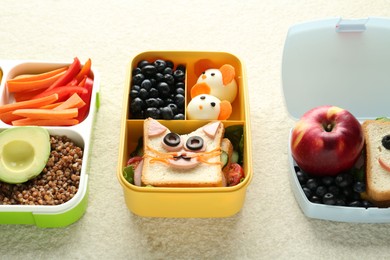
[377, 138]
[184, 160]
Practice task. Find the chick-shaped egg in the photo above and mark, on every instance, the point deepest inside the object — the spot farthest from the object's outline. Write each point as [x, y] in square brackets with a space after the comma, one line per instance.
[217, 82]
[208, 107]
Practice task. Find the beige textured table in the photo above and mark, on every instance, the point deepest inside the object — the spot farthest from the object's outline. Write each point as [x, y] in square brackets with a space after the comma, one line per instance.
[111, 33]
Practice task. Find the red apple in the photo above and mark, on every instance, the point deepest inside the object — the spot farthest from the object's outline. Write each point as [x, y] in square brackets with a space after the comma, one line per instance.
[327, 140]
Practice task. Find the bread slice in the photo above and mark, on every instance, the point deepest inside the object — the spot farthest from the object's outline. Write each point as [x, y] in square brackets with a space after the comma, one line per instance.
[158, 168]
[377, 177]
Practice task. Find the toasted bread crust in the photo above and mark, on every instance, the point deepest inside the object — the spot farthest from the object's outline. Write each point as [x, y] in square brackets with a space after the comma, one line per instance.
[377, 178]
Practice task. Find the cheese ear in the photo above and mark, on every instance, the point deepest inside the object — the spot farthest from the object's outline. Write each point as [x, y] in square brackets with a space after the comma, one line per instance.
[200, 88]
[226, 110]
[228, 73]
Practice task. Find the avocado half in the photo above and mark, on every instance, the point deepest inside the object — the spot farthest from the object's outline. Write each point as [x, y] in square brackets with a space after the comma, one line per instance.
[24, 152]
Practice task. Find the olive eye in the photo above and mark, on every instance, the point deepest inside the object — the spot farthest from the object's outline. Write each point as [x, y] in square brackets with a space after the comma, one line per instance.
[386, 141]
[194, 143]
[172, 139]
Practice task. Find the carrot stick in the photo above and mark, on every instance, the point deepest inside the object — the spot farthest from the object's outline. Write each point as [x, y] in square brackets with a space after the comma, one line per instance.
[51, 106]
[34, 103]
[8, 117]
[19, 86]
[73, 101]
[39, 113]
[45, 122]
[33, 77]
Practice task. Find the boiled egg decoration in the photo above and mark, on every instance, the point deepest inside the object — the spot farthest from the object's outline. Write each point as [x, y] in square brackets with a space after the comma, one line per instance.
[208, 107]
[219, 83]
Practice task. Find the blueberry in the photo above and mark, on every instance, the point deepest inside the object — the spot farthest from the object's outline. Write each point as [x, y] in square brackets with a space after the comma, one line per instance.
[180, 91]
[321, 191]
[366, 204]
[149, 70]
[168, 70]
[181, 67]
[334, 190]
[343, 180]
[159, 76]
[173, 108]
[179, 116]
[152, 102]
[327, 180]
[136, 71]
[137, 79]
[152, 112]
[166, 113]
[179, 75]
[359, 187]
[340, 202]
[136, 105]
[168, 78]
[302, 177]
[315, 199]
[135, 87]
[168, 101]
[163, 89]
[142, 63]
[160, 65]
[169, 64]
[179, 85]
[153, 93]
[329, 199]
[312, 184]
[143, 93]
[146, 84]
[160, 101]
[179, 100]
[307, 192]
[347, 192]
[133, 93]
[355, 203]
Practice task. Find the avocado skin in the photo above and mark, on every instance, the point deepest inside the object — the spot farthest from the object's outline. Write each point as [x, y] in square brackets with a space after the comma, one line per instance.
[24, 152]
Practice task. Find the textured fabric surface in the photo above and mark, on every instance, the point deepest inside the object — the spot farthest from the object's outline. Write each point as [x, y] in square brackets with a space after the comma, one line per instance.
[271, 224]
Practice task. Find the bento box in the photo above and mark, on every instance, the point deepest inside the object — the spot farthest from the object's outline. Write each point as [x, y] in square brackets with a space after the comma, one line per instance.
[343, 63]
[58, 196]
[184, 202]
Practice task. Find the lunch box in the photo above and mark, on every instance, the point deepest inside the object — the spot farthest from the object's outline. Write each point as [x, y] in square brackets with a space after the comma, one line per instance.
[203, 202]
[340, 62]
[69, 212]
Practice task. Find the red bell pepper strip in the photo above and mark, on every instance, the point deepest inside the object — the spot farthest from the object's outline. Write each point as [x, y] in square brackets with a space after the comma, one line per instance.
[72, 71]
[64, 92]
[86, 97]
[85, 70]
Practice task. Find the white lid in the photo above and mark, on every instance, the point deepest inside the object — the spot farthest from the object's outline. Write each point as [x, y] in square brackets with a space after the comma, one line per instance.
[338, 62]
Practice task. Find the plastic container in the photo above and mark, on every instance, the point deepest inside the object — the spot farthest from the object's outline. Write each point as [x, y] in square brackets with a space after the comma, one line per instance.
[343, 63]
[185, 202]
[70, 211]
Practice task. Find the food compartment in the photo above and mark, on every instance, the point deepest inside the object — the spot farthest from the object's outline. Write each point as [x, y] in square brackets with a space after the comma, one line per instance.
[184, 201]
[57, 196]
[193, 64]
[42, 87]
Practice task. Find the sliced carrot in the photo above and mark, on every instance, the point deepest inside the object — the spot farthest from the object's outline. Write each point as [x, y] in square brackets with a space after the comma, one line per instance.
[33, 77]
[200, 88]
[73, 101]
[39, 113]
[45, 122]
[19, 86]
[228, 73]
[63, 92]
[84, 70]
[8, 117]
[225, 110]
[52, 105]
[34, 103]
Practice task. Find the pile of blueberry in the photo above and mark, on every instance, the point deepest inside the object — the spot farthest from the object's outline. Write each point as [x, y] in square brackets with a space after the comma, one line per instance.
[157, 90]
[340, 190]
